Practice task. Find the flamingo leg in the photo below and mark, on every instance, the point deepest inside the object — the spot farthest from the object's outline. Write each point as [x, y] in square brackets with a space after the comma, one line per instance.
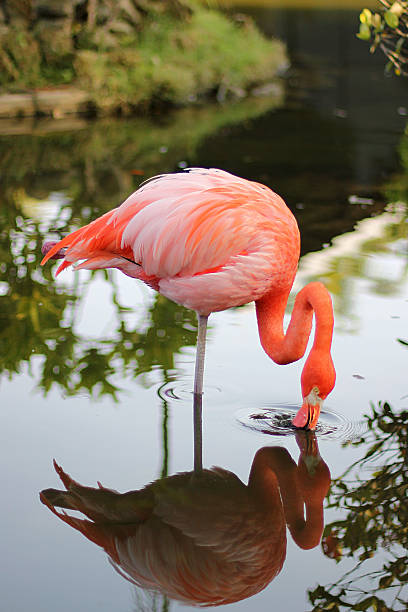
[198, 391]
[200, 355]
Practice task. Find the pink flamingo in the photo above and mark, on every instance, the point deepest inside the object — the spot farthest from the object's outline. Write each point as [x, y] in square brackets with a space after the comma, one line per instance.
[210, 240]
[205, 538]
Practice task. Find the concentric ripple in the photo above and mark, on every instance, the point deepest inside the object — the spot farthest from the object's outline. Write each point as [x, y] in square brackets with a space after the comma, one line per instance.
[276, 420]
[182, 390]
[175, 390]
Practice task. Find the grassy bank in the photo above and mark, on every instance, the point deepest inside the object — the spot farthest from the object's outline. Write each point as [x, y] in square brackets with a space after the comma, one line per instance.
[168, 60]
[178, 63]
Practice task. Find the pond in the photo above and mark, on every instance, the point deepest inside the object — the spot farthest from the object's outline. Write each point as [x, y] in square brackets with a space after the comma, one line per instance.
[97, 369]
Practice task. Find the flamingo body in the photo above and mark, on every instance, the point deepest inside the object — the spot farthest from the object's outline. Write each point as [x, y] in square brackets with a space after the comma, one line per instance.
[209, 240]
[205, 239]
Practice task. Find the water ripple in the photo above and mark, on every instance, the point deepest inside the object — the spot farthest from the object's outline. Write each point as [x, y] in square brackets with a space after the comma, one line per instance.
[182, 390]
[276, 420]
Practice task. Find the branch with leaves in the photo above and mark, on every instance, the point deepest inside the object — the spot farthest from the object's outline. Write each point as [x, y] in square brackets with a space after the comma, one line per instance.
[387, 29]
[376, 519]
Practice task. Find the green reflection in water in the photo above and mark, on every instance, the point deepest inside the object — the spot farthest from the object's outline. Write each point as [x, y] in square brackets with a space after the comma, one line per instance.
[54, 181]
[350, 257]
[37, 318]
[93, 168]
[98, 164]
[376, 519]
[31, 305]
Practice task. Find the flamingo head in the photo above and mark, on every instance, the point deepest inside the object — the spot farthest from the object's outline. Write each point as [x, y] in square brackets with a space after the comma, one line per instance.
[308, 415]
[47, 246]
[318, 379]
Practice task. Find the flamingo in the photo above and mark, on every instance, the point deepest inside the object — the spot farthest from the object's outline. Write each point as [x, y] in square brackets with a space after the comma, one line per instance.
[205, 538]
[210, 240]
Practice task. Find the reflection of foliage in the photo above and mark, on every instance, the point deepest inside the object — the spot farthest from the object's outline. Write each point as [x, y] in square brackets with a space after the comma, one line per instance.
[171, 326]
[101, 163]
[96, 167]
[377, 518]
[347, 260]
[388, 30]
[38, 317]
[31, 306]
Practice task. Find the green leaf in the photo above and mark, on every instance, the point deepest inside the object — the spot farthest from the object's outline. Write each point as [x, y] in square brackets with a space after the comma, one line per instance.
[364, 32]
[391, 19]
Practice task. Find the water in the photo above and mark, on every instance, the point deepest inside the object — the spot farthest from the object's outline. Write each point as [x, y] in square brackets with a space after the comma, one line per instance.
[276, 420]
[97, 370]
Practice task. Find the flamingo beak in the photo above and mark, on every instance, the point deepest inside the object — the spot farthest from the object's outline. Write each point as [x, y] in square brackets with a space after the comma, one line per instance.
[308, 414]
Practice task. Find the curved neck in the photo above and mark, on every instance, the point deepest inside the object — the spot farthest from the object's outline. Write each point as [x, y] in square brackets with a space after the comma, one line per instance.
[286, 348]
[274, 473]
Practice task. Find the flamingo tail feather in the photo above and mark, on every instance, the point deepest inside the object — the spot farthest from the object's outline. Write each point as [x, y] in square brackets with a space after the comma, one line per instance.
[87, 242]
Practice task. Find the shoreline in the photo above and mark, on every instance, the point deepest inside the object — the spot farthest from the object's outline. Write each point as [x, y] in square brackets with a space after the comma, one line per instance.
[68, 104]
[61, 67]
[54, 102]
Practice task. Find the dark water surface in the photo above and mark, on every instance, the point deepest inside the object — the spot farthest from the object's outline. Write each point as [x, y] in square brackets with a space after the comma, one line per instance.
[97, 370]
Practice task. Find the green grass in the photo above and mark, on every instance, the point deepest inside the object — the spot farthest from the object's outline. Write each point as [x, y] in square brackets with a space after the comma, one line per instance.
[177, 62]
[170, 61]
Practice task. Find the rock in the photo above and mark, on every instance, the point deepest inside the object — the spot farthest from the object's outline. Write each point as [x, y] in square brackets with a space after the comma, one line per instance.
[56, 103]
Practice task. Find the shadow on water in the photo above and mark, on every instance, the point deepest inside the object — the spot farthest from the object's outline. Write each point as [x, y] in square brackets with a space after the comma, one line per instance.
[203, 537]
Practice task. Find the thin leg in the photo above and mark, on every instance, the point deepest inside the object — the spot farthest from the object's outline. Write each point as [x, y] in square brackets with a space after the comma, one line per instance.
[198, 392]
[200, 355]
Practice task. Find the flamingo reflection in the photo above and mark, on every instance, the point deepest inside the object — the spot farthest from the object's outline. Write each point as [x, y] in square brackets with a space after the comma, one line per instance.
[204, 537]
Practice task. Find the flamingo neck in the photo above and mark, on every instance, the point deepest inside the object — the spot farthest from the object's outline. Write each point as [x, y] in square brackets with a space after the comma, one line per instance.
[286, 348]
